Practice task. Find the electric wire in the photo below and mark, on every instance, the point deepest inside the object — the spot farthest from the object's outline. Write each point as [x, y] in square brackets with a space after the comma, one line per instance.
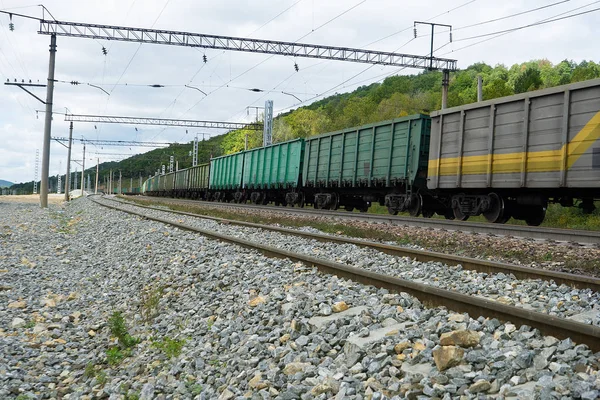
[411, 26]
[265, 60]
[272, 19]
[554, 18]
[140, 45]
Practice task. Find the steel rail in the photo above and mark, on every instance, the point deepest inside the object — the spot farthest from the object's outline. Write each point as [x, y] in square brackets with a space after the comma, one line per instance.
[429, 295]
[474, 264]
[551, 234]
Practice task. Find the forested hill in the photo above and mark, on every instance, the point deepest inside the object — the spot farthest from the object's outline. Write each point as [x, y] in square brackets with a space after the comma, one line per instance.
[409, 94]
[394, 97]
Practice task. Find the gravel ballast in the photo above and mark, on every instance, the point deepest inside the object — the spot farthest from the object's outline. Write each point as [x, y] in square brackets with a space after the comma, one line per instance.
[533, 294]
[216, 321]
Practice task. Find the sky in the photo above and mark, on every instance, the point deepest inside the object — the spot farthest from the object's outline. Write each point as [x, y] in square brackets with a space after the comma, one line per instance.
[129, 68]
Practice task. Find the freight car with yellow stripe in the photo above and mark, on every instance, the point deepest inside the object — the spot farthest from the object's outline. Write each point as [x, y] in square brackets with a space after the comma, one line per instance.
[511, 156]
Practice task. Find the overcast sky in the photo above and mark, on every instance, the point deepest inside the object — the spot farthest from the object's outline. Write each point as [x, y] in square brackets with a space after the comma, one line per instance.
[227, 75]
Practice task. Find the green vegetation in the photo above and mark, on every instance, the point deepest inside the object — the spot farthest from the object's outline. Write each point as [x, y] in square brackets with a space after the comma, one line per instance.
[116, 354]
[149, 302]
[171, 347]
[194, 388]
[116, 324]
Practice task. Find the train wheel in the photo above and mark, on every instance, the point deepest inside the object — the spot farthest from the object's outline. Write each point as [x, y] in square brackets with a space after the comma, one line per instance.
[392, 211]
[495, 212]
[349, 208]
[416, 205]
[364, 208]
[300, 200]
[335, 202]
[458, 214]
[536, 216]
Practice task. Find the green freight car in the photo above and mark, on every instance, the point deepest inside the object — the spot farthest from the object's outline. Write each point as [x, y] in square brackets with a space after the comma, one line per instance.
[225, 176]
[272, 173]
[384, 162]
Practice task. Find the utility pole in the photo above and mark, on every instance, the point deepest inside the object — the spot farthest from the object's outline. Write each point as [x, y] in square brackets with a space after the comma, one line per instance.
[48, 124]
[479, 88]
[83, 172]
[97, 166]
[68, 175]
[195, 152]
[59, 180]
[120, 188]
[131, 185]
[110, 181]
[268, 124]
[445, 72]
[171, 162]
[35, 174]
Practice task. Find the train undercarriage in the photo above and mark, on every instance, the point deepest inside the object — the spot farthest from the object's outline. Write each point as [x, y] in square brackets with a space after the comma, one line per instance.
[496, 206]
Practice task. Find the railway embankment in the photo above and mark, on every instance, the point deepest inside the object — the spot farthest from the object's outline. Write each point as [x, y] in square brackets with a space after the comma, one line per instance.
[95, 303]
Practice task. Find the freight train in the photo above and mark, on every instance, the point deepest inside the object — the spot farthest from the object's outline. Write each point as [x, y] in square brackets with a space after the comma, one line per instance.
[502, 158]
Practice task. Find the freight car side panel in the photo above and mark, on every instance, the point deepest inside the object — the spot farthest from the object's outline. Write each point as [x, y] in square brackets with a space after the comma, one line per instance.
[181, 179]
[226, 172]
[383, 154]
[198, 176]
[542, 139]
[274, 166]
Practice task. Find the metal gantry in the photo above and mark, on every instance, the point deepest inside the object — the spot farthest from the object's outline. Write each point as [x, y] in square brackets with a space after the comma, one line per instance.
[126, 143]
[189, 39]
[163, 121]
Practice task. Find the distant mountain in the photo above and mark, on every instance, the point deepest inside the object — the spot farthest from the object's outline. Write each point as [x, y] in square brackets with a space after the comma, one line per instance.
[5, 183]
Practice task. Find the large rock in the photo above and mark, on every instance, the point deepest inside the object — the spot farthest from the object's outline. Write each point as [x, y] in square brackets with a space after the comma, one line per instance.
[462, 338]
[257, 300]
[17, 304]
[257, 382]
[480, 386]
[400, 347]
[17, 323]
[447, 356]
[339, 307]
[295, 367]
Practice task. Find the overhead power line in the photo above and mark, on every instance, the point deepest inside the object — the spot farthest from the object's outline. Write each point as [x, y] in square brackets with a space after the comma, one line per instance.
[512, 15]
[527, 26]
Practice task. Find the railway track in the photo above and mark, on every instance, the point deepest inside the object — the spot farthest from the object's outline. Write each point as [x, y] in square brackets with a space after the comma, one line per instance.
[430, 295]
[582, 237]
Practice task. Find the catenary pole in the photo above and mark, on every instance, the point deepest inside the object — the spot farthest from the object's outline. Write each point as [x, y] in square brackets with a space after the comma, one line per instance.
[83, 172]
[68, 176]
[48, 125]
[97, 167]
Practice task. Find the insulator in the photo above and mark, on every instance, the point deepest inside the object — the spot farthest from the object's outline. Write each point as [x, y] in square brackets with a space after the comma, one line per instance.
[296, 67]
[204, 58]
[104, 50]
[415, 30]
[450, 37]
[11, 26]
